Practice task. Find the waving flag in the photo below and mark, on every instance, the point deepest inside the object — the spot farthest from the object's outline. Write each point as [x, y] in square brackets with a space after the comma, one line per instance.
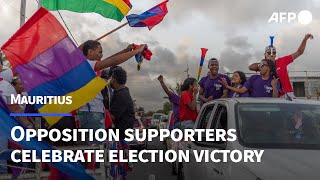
[113, 9]
[50, 64]
[149, 18]
[145, 54]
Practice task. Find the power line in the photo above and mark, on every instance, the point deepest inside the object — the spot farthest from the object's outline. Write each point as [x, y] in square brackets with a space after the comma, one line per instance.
[67, 28]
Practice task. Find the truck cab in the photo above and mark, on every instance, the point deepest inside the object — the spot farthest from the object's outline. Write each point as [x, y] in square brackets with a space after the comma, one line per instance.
[287, 131]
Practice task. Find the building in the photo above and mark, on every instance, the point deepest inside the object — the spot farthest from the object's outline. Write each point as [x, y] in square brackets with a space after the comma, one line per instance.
[307, 85]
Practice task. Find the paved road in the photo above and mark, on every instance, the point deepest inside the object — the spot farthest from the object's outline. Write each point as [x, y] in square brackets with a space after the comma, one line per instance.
[161, 171]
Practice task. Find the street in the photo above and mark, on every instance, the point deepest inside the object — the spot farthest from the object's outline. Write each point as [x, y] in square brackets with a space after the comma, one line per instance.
[153, 171]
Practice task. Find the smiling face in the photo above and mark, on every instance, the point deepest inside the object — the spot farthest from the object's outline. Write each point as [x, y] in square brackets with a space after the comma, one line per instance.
[235, 79]
[213, 67]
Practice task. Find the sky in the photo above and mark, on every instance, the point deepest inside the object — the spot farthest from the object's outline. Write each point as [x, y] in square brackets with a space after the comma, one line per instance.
[235, 31]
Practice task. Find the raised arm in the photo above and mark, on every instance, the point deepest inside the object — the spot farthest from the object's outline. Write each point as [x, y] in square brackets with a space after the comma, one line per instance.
[237, 90]
[302, 46]
[254, 67]
[127, 49]
[118, 59]
[164, 87]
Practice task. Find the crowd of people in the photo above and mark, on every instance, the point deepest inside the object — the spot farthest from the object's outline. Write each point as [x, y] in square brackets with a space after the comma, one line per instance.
[113, 106]
[271, 82]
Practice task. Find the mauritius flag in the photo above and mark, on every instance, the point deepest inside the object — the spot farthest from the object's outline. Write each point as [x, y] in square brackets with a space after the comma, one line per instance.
[71, 169]
[113, 9]
[149, 18]
[50, 64]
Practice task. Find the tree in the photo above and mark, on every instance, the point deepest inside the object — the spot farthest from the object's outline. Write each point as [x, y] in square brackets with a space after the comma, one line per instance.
[159, 111]
[166, 107]
[150, 113]
[141, 109]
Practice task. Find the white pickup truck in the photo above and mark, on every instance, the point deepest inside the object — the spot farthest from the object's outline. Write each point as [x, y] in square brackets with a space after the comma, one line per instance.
[287, 131]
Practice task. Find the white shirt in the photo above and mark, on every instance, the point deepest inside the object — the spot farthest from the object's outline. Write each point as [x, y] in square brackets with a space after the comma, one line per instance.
[6, 89]
[6, 74]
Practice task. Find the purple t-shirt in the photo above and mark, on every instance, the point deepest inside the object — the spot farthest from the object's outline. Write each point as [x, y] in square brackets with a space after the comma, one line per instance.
[231, 93]
[259, 87]
[212, 87]
[174, 99]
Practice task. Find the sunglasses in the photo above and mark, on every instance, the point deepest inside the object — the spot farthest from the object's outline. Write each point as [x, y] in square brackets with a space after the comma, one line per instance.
[269, 52]
[262, 65]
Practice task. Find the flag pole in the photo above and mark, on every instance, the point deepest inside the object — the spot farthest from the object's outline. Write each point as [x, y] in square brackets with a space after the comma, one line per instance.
[22, 12]
[114, 30]
[106, 34]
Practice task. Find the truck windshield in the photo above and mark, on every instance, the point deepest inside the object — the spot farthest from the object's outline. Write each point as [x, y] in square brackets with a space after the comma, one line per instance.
[278, 125]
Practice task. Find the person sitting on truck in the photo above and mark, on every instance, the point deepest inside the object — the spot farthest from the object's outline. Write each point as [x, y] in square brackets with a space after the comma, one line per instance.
[282, 63]
[188, 103]
[210, 85]
[237, 81]
[264, 85]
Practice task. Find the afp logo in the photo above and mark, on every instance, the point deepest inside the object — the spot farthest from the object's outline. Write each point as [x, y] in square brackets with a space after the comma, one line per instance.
[304, 17]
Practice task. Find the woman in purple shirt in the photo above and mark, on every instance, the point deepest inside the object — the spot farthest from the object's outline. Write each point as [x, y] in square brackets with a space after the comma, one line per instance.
[264, 85]
[174, 100]
[237, 81]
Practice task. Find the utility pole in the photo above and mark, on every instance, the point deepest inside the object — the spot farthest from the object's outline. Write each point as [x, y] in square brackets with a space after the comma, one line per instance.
[22, 12]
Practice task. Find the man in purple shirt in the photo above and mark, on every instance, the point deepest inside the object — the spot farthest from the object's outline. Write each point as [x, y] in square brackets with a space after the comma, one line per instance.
[210, 86]
[174, 100]
[264, 85]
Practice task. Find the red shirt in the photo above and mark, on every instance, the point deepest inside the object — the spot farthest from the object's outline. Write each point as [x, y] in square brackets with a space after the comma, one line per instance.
[185, 112]
[281, 65]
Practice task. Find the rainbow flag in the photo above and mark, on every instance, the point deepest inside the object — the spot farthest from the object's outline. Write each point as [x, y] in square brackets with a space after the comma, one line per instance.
[113, 9]
[50, 64]
[7, 123]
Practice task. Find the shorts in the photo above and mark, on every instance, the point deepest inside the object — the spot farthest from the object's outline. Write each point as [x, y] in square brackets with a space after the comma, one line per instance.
[91, 120]
[187, 124]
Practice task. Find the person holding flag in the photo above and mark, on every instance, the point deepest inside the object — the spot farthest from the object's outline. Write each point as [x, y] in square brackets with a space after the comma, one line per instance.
[92, 114]
[282, 63]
